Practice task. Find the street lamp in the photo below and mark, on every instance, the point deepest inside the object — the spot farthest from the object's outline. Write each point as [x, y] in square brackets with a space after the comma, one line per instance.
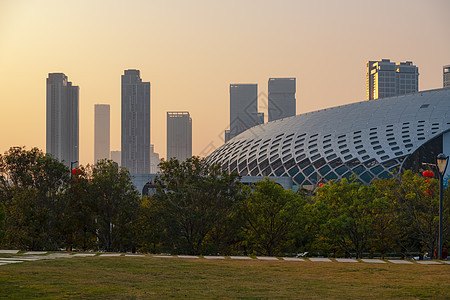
[71, 164]
[441, 162]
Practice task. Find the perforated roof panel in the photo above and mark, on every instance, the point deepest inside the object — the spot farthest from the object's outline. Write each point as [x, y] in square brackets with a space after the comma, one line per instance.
[370, 139]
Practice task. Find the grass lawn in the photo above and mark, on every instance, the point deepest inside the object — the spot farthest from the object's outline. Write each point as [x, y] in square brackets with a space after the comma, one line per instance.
[149, 277]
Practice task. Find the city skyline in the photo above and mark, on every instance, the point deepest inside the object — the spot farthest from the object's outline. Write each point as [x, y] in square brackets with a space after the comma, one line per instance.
[191, 52]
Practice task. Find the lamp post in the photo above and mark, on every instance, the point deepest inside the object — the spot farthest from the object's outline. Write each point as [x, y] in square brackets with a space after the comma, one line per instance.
[441, 162]
[71, 164]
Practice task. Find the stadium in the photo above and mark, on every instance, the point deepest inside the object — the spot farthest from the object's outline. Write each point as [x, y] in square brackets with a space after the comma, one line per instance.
[371, 139]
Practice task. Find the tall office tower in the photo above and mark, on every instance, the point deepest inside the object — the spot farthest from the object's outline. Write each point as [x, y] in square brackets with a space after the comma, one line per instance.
[387, 79]
[446, 75]
[62, 136]
[154, 160]
[281, 98]
[135, 123]
[179, 135]
[243, 109]
[116, 156]
[101, 132]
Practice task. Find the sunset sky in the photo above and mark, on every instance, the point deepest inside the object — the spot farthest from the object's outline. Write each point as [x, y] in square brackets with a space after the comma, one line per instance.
[191, 51]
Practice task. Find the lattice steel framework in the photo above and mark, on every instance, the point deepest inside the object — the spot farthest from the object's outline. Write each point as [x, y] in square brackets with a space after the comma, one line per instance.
[370, 139]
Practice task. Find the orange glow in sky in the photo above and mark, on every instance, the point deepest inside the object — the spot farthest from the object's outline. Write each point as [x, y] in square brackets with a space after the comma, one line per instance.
[191, 51]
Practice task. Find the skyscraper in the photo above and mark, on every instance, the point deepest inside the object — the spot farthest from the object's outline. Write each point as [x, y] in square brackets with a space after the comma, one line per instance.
[62, 132]
[179, 135]
[387, 79]
[135, 123]
[101, 132]
[446, 75]
[281, 98]
[243, 109]
[154, 160]
[116, 157]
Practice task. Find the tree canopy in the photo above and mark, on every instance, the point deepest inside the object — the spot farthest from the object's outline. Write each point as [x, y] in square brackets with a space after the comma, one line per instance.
[272, 216]
[193, 199]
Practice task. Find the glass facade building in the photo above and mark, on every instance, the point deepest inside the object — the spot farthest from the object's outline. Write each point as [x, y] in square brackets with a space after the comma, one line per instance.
[281, 98]
[243, 109]
[387, 79]
[62, 119]
[179, 135]
[101, 132]
[135, 135]
[446, 76]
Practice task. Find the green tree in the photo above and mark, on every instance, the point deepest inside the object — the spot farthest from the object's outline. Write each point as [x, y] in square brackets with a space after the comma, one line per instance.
[386, 232]
[344, 216]
[193, 198]
[2, 222]
[149, 229]
[115, 203]
[273, 216]
[31, 189]
[417, 209]
[77, 220]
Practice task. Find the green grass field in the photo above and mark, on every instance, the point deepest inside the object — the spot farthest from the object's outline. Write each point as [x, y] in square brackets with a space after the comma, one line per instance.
[149, 277]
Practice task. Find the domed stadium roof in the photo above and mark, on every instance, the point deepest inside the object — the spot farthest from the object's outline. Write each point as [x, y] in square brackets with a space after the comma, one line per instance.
[371, 139]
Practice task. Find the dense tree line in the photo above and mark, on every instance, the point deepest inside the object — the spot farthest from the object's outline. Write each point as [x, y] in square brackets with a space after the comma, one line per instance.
[199, 209]
[49, 207]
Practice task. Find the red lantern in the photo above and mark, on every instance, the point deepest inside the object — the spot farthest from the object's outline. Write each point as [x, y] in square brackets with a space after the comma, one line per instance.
[76, 172]
[428, 174]
[320, 184]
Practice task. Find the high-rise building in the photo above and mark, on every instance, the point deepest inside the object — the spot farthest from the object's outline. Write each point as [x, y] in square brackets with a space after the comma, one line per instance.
[135, 123]
[388, 79]
[179, 135]
[116, 156]
[281, 102]
[154, 160]
[243, 109]
[101, 132]
[62, 133]
[446, 75]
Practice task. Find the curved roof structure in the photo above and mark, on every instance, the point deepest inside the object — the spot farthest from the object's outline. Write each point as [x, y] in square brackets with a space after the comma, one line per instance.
[370, 139]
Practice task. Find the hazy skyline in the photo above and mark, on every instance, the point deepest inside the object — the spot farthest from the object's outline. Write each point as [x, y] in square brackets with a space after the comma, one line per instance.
[191, 51]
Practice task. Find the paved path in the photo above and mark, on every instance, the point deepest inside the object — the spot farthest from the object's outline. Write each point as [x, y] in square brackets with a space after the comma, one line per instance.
[42, 255]
[9, 251]
[373, 261]
[266, 258]
[400, 261]
[293, 259]
[428, 262]
[346, 260]
[319, 259]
